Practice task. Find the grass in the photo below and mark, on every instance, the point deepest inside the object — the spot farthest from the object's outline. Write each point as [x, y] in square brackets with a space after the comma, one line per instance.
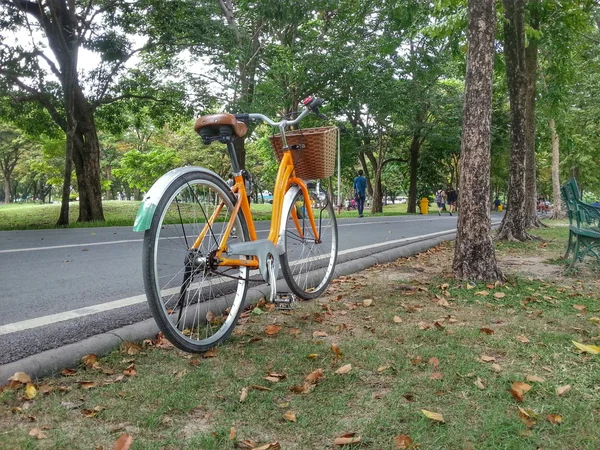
[29, 216]
[421, 341]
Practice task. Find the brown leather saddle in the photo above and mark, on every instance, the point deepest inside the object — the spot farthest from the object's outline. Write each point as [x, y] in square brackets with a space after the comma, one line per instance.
[219, 127]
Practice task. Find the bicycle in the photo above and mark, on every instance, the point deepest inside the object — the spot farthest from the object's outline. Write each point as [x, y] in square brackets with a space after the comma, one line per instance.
[196, 275]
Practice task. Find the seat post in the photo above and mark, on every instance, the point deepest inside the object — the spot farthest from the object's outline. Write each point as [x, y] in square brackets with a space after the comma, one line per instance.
[235, 165]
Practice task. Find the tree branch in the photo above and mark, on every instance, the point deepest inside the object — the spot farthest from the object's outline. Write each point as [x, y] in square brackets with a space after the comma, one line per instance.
[109, 100]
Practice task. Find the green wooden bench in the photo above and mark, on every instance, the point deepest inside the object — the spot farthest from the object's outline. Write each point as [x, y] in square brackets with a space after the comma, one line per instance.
[584, 224]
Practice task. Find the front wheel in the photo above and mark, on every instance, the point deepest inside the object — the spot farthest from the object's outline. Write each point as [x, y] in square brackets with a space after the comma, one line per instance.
[195, 302]
[308, 263]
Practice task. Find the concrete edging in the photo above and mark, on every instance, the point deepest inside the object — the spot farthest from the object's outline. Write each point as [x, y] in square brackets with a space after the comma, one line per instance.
[53, 361]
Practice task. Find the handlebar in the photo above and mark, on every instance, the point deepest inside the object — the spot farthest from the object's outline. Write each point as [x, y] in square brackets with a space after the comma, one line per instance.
[311, 104]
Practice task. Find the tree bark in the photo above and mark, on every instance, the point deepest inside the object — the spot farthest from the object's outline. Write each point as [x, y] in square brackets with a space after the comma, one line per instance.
[413, 157]
[558, 211]
[7, 190]
[474, 255]
[531, 66]
[513, 224]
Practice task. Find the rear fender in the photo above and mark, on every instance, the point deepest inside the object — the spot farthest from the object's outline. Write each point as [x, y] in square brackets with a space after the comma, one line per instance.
[143, 218]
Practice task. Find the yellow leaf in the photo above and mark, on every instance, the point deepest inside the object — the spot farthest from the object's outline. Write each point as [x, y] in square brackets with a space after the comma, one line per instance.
[469, 286]
[290, 416]
[344, 369]
[30, 391]
[595, 319]
[312, 356]
[433, 416]
[593, 349]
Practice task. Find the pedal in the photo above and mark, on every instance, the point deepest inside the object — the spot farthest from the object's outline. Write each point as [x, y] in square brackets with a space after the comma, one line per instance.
[285, 301]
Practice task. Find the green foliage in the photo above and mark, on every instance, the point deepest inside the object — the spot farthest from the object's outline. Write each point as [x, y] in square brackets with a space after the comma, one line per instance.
[141, 170]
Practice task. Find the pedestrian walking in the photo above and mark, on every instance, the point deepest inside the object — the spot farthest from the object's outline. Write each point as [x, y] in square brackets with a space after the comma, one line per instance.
[452, 196]
[440, 199]
[360, 192]
[497, 203]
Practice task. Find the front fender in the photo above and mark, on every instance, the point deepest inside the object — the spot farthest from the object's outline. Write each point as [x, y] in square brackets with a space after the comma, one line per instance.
[143, 218]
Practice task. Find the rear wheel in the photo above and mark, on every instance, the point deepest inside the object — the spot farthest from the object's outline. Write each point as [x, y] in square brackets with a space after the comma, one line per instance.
[308, 264]
[195, 302]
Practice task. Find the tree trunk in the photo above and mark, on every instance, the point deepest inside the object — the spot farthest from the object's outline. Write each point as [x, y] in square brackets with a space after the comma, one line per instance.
[513, 224]
[7, 190]
[531, 65]
[474, 256]
[413, 173]
[558, 212]
[63, 217]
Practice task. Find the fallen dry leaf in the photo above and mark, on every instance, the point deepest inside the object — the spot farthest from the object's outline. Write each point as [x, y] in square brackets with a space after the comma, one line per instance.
[534, 378]
[260, 388]
[403, 441]
[314, 376]
[499, 295]
[344, 369]
[243, 394]
[319, 334]
[486, 358]
[37, 433]
[496, 367]
[21, 377]
[523, 339]
[336, 350]
[130, 371]
[436, 376]
[596, 320]
[592, 349]
[347, 439]
[130, 348]
[92, 412]
[433, 416]
[482, 293]
[518, 389]
[68, 372]
[272, 330]
[90, 361]
[434, 361]
[486, 330]
[469, 286]
[562, 390]
[232, 434]
[289, 416]
[302, 388]
[124, 442]
[479, 383]
[579, 307]
[270, 446]
[368, 302]
[397, 319]
[87, 384]
[554, 419]
[211, 353]
[312, 356]
[381, 369]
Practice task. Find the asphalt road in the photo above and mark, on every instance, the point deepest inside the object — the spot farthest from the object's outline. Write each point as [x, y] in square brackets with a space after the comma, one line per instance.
[93, 275]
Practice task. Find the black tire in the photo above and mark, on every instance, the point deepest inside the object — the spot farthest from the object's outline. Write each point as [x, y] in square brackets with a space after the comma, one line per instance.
[308, 266]
[209, 308]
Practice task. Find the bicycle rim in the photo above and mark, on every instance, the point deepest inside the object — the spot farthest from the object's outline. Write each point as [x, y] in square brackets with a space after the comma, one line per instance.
[195, 303]
[308, 265]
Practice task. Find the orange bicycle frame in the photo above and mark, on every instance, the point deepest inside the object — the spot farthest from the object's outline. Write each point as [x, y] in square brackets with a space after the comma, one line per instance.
[285, 178]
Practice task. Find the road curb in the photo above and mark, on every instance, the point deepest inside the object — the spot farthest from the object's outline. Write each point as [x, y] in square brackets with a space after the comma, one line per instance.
[51, 362]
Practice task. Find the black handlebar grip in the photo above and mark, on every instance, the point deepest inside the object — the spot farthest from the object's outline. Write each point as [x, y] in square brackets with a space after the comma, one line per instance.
[244, 117]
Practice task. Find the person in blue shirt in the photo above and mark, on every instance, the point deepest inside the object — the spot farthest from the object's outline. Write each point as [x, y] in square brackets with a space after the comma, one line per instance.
[360, 192]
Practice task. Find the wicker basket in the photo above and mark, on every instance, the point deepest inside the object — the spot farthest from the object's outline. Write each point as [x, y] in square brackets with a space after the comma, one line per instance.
[313, 151]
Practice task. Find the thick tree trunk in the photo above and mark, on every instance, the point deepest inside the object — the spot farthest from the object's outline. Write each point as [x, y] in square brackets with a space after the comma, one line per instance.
[474, 256]
[365, 167]
[513, 224]
[63, 217]
[558, 212]
[531, 65]
[7, 189]
[413, 165]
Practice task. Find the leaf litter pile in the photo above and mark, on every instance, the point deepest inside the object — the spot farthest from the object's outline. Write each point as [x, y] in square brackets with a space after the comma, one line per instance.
[398, 356]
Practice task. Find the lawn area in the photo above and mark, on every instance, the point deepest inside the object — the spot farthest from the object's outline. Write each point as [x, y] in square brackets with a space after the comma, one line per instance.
[383, 349]
[29, 216]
